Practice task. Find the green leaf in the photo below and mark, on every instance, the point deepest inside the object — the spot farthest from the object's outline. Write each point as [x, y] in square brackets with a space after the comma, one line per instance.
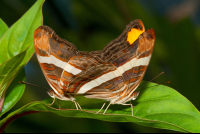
[9, 70]
[20, 34]
[158, 106]
[14, 43]
[14, 92]
[3, 28]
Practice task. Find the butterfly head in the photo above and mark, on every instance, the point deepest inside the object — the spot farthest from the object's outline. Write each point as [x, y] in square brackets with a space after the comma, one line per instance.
[53, 94]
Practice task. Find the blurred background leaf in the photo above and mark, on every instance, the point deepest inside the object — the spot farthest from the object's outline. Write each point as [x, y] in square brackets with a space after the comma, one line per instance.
[90, 25]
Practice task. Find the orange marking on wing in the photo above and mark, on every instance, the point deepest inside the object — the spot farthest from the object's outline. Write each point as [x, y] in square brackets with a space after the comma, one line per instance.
[79, 57]
[54, 41]
[73, 87]
[59, 52]
[112, 95]
[66, 82]
[115, 64]
[61, 45]
[140, 69]
[120, 85]
[108, 86]
[41, 40]
[54, 85]
[123, 93]
[37, 50]
[127, 82]
[56, 55]
[125, 50]
[114, 89]
[45, 67]
[66, 78]
[52, 77]
[85, 65]
[134, 79]
[63, 87]
[57, 89]
[66, 74]
[69, 58]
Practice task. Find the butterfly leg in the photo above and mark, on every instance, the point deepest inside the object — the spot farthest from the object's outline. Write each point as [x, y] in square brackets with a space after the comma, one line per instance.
[75, 104]
[131, 107]
[53, 101]
[58, 104]
[101, 108]
[106, 108]
[79, 106]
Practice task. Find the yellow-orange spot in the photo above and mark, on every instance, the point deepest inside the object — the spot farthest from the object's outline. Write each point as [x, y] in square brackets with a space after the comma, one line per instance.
[133, 35]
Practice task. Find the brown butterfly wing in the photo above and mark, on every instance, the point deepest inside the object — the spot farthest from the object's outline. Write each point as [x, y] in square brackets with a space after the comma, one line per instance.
[53, 53]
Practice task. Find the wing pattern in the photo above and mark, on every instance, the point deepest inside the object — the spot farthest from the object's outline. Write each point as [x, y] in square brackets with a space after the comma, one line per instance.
[111, 74]
[94, 79]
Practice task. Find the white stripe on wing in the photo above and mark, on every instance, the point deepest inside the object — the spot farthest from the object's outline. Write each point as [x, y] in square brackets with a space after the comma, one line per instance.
[113, 74]
[59, 63]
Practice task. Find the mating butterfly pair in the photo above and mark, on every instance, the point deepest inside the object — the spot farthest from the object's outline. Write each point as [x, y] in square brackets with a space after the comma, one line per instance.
[111, 74]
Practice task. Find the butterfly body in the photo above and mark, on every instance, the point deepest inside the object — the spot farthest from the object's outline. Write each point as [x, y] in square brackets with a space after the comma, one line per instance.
[111, 74]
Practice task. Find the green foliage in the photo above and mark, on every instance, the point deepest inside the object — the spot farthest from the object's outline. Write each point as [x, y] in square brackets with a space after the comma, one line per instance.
[14, 92]
[9, 70]
[16, 49]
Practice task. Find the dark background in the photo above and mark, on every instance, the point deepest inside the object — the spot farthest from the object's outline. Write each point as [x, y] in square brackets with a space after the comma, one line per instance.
[90, 25]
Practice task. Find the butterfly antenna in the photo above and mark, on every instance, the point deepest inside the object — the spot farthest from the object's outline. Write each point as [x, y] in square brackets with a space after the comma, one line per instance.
[152, 80]
[24, 82]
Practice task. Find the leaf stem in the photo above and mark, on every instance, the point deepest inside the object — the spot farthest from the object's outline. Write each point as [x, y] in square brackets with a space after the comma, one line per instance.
[1, 102]
[15, 117]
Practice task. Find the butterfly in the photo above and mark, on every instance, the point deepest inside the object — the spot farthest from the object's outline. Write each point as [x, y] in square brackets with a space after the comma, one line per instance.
[112, 74]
